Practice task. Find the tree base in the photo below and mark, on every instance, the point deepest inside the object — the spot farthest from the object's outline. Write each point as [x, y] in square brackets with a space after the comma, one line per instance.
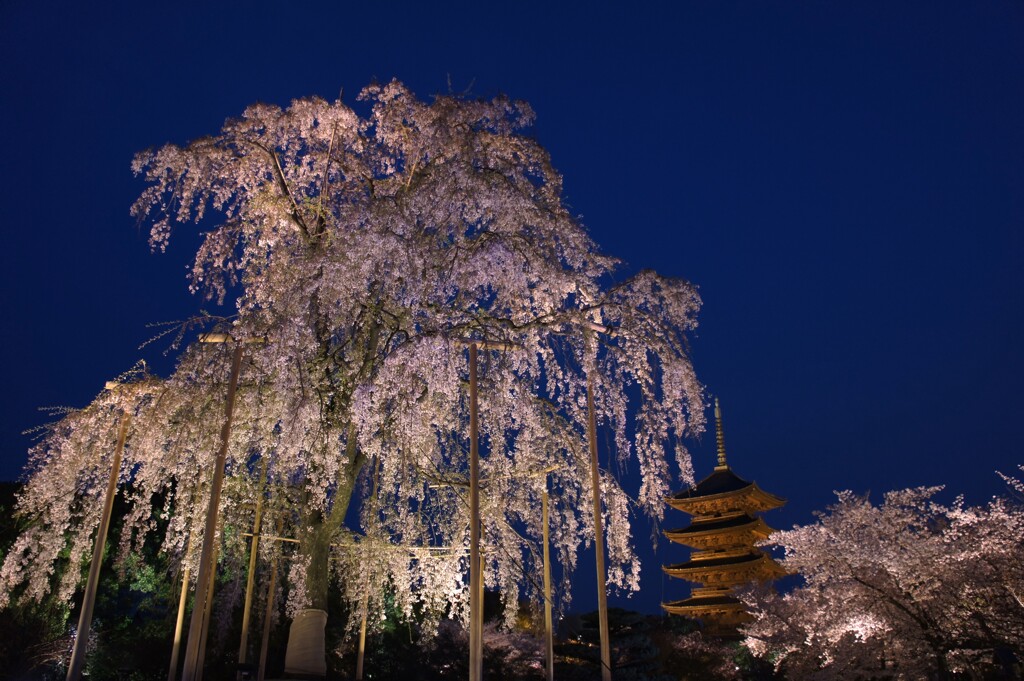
[306, 656]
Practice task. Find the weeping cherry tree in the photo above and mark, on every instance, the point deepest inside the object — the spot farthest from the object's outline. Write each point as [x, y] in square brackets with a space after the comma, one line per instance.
[368, 251]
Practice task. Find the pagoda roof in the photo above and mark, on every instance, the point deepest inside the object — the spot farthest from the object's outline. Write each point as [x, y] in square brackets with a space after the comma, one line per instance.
[724, 484]
[722, 480]
[704, 532]
[721, 611]
[727, 523]
[703, 602]
[717, 562]
[727, 569]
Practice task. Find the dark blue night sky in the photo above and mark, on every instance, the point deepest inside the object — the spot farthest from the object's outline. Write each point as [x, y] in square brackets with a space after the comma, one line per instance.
[844, 181]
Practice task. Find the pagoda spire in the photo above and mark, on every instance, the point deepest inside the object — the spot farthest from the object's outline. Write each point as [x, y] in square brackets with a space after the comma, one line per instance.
[720, 438]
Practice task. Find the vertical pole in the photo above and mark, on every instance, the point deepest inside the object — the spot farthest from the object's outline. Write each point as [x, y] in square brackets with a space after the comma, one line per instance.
[172, 673]
[268, 616]
[483, 602]
[362, 635]
[253, 548]
[549, 640]
[361, 655]
[475, 604]
[89, 598]
[207, 610]
[595, 478]
[195, 627]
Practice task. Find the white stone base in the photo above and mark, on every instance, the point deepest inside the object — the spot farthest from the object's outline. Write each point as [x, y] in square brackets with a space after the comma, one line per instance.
[306, 655]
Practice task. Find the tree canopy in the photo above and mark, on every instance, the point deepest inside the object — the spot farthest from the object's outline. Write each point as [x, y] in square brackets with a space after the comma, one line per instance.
[366, 251]
[910, 588]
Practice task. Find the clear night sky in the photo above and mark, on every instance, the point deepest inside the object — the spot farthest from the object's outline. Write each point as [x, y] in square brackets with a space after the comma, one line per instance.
[843, 180]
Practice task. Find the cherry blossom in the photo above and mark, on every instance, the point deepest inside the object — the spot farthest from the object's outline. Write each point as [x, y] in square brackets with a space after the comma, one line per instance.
[368, 250]
[910, 588]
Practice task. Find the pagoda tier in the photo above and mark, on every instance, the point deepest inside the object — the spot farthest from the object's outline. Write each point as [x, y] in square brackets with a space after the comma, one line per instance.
[721, 616]
[722, 492]
[727, 571]
[723, 607]
[719, 532]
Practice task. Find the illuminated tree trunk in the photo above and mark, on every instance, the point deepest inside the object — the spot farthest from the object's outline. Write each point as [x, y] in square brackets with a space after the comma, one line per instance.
[306, 652]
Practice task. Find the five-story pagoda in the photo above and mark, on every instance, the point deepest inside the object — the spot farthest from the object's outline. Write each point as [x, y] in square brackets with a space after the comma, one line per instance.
[722, 534]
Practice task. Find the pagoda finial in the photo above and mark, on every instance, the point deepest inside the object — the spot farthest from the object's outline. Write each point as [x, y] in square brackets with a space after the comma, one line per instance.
[720, 437]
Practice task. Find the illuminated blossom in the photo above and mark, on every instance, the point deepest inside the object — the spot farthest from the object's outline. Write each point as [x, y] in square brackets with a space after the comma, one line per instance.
[907, 589]
[367, 250]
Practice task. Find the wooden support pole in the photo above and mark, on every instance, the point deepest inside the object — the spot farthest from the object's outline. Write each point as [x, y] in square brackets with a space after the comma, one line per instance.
[193, 662]
[207, 611]
[475, 601]
[253, 549]
[595, 477]
[361, 654]
[549, 639]
[172, 673]
[268, 616]
[91, 584]
[483, 603]
[362, 635]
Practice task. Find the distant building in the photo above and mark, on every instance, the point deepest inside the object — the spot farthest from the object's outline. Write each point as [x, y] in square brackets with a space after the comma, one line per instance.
[725, 526]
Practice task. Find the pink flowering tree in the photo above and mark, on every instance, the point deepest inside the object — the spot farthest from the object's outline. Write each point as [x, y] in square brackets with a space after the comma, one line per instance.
[910, 588]
[368, 249]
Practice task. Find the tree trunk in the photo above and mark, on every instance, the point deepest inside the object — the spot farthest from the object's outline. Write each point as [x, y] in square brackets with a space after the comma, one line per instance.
[316, 548]
[306, 652]
[306, 636]
[943, 672]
